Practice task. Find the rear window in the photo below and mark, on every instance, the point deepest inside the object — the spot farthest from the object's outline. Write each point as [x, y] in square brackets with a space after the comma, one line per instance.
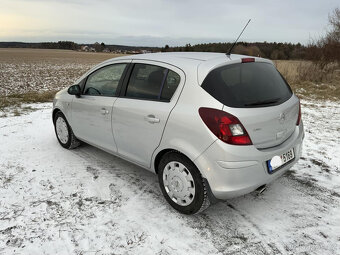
[247, 85]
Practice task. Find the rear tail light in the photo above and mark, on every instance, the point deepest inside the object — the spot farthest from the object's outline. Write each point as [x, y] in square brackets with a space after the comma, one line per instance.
[299, 115]
[225, 126]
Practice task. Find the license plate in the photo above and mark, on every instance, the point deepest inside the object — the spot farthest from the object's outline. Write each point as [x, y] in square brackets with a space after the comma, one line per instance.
[278, 161]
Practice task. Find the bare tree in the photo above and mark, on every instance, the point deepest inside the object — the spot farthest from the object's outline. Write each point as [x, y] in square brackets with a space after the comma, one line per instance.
[334, 21]
[327, 49]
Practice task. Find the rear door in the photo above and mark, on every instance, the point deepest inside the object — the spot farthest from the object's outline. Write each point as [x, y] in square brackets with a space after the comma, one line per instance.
[140, 114]
[91, 112]
[257, 94]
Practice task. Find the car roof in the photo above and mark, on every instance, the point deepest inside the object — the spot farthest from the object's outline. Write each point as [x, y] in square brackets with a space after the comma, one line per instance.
[182, 60]
[174, 56]
[202, 62]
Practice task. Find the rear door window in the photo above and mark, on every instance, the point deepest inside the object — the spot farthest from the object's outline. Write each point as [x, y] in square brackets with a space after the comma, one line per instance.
[152, 82]
[247, 85]
[170, 85]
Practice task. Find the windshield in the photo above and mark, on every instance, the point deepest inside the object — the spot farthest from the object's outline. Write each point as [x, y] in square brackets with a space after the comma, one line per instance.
[247, 85]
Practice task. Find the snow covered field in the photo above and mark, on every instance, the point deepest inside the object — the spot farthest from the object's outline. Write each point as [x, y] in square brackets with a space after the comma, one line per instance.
[23, 70]
[85, 201]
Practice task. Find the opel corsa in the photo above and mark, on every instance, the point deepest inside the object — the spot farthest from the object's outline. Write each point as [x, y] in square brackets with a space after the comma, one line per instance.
[212, 126]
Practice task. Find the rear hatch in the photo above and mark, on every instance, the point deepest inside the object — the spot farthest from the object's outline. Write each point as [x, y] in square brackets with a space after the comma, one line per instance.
[257, 94]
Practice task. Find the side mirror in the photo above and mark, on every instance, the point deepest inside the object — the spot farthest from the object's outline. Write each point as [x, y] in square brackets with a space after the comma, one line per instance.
[74, 90]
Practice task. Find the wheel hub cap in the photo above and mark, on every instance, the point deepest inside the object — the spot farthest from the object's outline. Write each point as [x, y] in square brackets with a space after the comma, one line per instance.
[179, 183]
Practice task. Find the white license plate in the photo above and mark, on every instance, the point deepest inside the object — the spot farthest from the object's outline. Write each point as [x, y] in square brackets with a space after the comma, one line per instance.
[278, 161]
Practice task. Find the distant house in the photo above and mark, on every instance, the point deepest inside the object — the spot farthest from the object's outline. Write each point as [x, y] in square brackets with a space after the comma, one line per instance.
[118, 52]
[85, 48]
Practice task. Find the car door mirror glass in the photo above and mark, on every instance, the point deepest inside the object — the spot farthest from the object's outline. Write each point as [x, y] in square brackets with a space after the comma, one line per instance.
[74, 90]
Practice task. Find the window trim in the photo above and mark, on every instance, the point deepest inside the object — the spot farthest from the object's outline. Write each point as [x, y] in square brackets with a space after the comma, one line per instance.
[125, 84]
[117, 92]
[165, 77]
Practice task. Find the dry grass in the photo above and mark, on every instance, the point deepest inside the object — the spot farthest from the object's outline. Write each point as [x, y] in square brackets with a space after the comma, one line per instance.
[311, 81]
[12, 104]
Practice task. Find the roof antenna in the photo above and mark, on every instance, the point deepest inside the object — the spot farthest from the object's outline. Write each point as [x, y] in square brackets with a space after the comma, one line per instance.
[231, 48]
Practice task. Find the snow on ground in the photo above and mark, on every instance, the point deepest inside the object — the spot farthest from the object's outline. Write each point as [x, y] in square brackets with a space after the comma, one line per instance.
[321, 160]
[85, 201]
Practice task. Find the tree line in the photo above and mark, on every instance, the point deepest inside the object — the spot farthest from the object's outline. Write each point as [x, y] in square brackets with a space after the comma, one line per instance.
[64, 45]
[270, 50]
[70, 45]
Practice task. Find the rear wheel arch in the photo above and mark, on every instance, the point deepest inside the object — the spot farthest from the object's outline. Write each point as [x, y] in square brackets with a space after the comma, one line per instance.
[159, 156]
[165, 151]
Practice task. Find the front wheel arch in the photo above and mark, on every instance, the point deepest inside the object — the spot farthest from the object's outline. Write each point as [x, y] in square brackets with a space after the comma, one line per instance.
[55, 111]
[72, 142]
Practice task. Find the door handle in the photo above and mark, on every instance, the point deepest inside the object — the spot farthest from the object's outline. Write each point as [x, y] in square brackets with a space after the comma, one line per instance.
[104, 111]
[151, 119]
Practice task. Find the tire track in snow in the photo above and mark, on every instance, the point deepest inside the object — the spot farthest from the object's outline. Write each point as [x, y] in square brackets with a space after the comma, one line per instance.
[318, 197]
[216, 219]
[258, 232]
[232, 231]
[136, 178]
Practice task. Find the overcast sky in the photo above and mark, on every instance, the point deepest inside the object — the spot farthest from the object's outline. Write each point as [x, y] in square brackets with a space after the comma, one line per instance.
[160, 22]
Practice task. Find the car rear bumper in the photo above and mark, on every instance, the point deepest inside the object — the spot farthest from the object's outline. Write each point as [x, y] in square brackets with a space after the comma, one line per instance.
[237, 170]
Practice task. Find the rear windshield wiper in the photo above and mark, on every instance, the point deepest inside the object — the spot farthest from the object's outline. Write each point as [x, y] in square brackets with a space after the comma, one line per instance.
[264, 102]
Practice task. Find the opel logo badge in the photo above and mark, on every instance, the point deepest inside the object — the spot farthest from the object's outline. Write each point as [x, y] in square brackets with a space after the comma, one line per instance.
[282, 117]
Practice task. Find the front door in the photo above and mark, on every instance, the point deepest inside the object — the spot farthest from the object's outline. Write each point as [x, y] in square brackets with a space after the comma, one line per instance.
[140, 114]
[92, 111]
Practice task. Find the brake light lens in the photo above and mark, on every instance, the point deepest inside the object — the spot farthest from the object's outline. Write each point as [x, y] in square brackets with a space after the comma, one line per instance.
[299, 115]
[247, 60]
[225, 126]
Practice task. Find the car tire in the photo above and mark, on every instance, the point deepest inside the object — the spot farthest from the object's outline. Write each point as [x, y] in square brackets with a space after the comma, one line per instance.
[64, 133]
[182, 184]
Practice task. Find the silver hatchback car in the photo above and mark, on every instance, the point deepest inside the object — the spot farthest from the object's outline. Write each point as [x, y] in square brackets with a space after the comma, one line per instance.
[211, 126]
